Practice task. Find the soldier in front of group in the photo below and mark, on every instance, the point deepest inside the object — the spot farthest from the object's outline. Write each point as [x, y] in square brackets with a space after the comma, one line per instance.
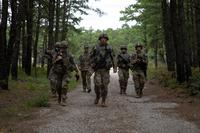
[85, 68]
[138, 67]
[123, 63]
[63, 65]
[102, 59]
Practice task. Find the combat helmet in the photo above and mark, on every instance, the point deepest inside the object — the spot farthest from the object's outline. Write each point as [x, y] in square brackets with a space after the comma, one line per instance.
[123, 47]
[103, 35]
[86, 46]
[57, 45]
[64, 44]
[138, 45]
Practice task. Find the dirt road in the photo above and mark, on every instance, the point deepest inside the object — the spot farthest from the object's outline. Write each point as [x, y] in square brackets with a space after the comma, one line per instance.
[125, 114]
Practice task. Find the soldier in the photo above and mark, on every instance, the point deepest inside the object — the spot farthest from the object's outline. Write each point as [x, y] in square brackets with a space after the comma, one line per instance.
[63, 65]
[123, 63]
[138, 67]
[50, 54]
[84, 66]
[102, 59]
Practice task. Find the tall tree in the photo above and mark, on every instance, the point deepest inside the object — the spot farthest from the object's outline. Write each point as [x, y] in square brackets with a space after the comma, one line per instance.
[13, 32]
[197, 15]
[29, 16]
[57, 20]
[65, 17]
[168, 41]
[35, 52]
[3, 44]
[50, 28]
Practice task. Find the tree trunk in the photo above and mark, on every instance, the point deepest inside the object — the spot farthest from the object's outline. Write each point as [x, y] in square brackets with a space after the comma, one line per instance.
[50, 28]
[64, 23]
[24, 44]
[36, 38]
[178, 48]
[15, 56]
[197, 14]
[29, 37]
[3, 28]
[184, 41]
[180, 41]
[57, 20]
[13, 32]
[168, 35]
[145, 38]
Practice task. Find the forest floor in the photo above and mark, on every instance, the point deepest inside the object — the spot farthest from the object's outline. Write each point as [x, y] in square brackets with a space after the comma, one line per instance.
[160, 110]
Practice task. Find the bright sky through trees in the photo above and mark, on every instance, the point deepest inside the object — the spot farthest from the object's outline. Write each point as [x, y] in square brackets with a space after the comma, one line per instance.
[112, 9]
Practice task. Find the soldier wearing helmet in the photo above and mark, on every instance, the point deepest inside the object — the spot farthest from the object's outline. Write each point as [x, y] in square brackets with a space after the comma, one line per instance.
[63, 65]
[138, 66]
[50, 55]
[85, 68]
[102, 59]
[123, 63]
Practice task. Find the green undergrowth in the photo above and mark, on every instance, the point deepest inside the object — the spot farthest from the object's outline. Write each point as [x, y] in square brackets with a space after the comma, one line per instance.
[27, 93]
[168, 79]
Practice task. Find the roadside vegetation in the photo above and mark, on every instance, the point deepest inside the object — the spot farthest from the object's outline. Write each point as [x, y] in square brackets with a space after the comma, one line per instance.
[24, 97]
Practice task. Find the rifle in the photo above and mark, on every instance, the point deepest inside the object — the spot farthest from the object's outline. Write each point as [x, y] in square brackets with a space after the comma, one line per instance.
[140, 63]
[124, 60]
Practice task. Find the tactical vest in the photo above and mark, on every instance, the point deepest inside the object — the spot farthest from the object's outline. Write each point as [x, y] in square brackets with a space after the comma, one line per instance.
[84, 61]
[102, 57]
[123, 60]
[141, 65]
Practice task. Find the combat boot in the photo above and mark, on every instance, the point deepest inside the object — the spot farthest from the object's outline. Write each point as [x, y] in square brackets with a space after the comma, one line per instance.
[140, 93]
[84, 89]
[96, 101]
[125, 87]
[103, 103]
[137, 90]
[121, 87]
[89, 90]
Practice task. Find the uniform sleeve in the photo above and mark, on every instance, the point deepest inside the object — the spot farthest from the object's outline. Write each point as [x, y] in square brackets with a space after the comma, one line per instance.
[79, 60]
[144, 59]
[118, 60]
[114, 60]
[92, 55]
[73, 64]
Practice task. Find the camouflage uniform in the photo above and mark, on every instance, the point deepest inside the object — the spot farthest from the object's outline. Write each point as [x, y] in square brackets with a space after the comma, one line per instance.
[51, 54]
[123, 63]
[84, 66]
[102, 59]
[60, 73]
[138, 66]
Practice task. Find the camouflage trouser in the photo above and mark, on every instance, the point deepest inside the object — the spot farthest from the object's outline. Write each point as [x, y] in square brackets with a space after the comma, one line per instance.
[53, 87]
[139, 80]
[123, 79]
[59, 84]
[86, 80]
[101, 81]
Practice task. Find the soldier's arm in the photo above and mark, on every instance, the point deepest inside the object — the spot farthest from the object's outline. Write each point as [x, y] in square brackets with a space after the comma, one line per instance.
[79, 61]
[133, 60]
[74, 65]
[92, 55]
[118, 60]
[114, 62]
[143, 59]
